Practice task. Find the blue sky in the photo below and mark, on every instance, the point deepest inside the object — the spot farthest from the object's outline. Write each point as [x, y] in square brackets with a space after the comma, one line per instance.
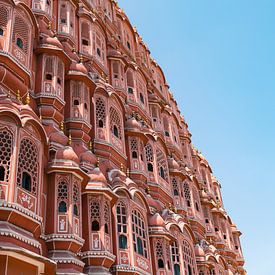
[219, 60]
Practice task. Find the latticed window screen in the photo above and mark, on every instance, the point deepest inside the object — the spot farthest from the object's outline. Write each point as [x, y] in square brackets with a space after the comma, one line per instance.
[149, 154]
[122, 225]
[100, 113]
[6, 144]
[4, 16]
[62, 196]
[189, 258]
[175, 187]
[27, 173]
[159, 254]
[21, 32]
[175, 253]
[76, 199]
[134, 148]
[139, 234]
[162, 165]
[196, 199]
[95, 214]
[115, 123]
[187, 194]
[106, 218]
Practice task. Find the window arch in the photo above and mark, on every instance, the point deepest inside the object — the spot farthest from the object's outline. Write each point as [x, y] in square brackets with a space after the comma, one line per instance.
[175, 187]
[4, 17]
[99, 45]
[106, 218]
[85, 37]
[76, 200]
[159, 254]
[134, 148]
[62, 196]
[21, 31]
[122, 225]
[130, 83]
[189, 258]
[175, 257]
[53, 76]
[149, 157]
[28, 159]
[187, 194]
[66, 18]
[115, 123]
[43, 5]
[6, 145]
[100, 113]
[95, 215]
[139, 234]
[162, 165]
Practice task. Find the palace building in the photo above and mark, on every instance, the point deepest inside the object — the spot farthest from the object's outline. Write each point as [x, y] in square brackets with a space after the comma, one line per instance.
[98, 174]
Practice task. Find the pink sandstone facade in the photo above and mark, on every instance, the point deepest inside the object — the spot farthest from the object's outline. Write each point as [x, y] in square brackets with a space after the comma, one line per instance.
[97, 171]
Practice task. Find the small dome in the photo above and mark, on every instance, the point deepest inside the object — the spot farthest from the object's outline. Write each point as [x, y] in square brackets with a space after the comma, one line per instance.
[199, 251]
[53, 41]
[97, 176]
[173, 164]
[88, 157]
[156, 220]
[153, 203]
[67, 153]
[132, 123]
[58, 137]
[79, 67]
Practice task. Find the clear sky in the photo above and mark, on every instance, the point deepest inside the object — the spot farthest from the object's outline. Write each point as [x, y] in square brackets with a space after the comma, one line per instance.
[219, 60]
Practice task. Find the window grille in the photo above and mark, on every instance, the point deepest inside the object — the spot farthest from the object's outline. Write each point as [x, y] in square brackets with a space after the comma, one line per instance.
[28, 165]
[139, 234]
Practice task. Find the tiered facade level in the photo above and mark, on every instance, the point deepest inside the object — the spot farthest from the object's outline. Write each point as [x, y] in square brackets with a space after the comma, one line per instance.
[97, 171]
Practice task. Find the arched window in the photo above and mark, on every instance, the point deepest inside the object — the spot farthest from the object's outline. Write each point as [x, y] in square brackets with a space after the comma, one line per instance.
[162, 165]
[187, 194]
[26, 181]
[99, 45]
[134, 148]
[160, 263]
[62, 196]
[176, 269]
[95, 215]
[122, 225]
[2, 173]
[159, 254]
[130, 82]
[20, 43]
[66, 18]
[166, 126]
[62, 207]
[139, 234]
[175, 257]
[122, 239]
[106, 218]
[100, 113]
[6, 146]
[189, 258]
[53, 76]
[85, 37]
[175, 187]
[28, 160]
[149, 157]
[21, 31]
[42, 5]
[115, 123]
[95, 226]
[4, 17]
[76, 199]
